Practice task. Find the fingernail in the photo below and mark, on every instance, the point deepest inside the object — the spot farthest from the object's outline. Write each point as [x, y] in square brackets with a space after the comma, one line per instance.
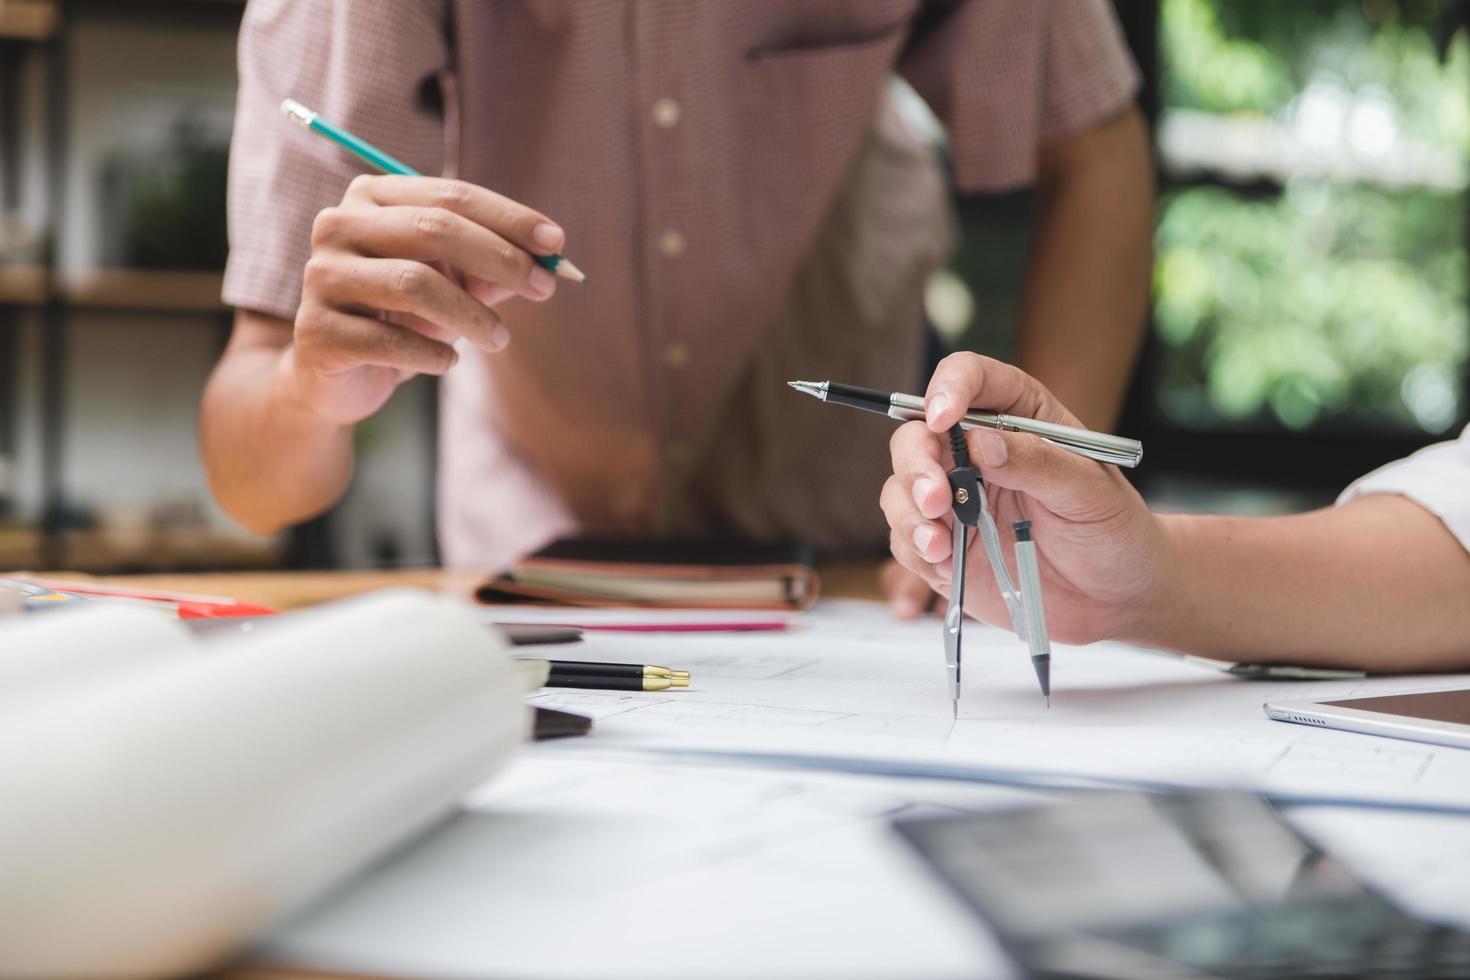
[542, 282]
[924, 537]
[546, 235]
[937, 404]
[500, 337]
[923, 487]
[992, 448]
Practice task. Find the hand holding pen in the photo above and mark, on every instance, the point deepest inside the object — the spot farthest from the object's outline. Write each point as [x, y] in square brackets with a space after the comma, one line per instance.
[402, 268]
[1101, 557]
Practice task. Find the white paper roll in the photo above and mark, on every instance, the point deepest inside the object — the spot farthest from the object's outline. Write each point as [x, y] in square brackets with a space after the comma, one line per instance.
[80, 643]
[150, 824]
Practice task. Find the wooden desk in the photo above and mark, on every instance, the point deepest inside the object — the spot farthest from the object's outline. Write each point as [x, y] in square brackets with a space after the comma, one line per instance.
[294, 590]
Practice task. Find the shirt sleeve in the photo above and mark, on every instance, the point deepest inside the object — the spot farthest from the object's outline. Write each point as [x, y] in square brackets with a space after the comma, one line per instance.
[1436, 478]
[366, 65]
[1007, 77]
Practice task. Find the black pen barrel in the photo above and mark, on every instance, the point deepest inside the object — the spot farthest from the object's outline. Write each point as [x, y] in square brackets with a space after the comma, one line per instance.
[581, 667]
[853, 396]
[592, 682]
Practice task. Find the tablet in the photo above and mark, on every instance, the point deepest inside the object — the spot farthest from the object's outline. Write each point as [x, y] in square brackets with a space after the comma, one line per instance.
[1442, 717]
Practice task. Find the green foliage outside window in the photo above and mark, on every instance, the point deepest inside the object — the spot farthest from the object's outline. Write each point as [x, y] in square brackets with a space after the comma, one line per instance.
[1331, 299]
[1328, 300]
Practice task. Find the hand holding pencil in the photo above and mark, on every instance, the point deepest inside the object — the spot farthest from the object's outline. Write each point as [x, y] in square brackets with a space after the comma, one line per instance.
[403, 268]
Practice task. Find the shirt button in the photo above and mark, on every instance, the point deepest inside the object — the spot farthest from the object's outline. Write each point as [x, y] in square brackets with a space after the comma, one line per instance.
[677, 355]
[671, 243]
[666, 113]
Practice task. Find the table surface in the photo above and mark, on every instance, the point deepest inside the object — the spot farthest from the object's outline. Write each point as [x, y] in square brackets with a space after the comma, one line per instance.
[1405, 854]
[294, 590]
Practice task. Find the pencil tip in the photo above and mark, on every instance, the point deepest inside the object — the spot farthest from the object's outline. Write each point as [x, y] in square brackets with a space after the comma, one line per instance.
[567, 270]
[1048, 702]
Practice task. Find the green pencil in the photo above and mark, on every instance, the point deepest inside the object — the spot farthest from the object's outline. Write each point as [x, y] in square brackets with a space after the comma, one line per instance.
[298, 113]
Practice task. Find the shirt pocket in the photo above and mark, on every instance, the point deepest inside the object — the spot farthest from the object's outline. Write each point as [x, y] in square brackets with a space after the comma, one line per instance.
[798, 121]
[849, 39]
[812, 102]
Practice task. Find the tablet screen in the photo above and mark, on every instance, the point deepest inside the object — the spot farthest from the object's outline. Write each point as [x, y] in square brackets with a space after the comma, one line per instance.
[1451, 706]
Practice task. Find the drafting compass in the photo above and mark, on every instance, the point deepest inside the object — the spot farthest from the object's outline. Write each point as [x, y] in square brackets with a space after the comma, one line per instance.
[967, 499]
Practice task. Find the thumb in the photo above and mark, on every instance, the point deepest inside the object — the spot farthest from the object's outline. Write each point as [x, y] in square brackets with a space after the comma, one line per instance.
[1070, 486]
[486, 292]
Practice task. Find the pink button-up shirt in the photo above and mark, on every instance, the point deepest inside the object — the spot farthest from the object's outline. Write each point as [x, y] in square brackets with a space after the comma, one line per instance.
[735, 183]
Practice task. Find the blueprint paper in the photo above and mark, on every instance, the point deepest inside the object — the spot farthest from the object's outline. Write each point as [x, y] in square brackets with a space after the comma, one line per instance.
[854, 683]
[664, 824]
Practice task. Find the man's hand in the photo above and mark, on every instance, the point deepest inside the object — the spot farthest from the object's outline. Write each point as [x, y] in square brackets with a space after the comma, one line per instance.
[400, 271]
[908, 595]
[1103, 556]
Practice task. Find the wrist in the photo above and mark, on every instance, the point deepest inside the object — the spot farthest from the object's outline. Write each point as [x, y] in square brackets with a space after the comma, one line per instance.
[290, 397]
[1160, 615]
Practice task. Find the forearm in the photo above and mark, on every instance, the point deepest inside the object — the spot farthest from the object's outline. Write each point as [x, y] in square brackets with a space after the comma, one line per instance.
[1378, 584]
[270, 463]
[1085, 295]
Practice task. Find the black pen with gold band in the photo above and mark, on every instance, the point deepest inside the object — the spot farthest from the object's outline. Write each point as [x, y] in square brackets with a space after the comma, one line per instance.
[614, 677]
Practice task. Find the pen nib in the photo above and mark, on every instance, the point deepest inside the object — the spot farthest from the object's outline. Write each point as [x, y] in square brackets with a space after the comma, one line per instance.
[1048, 702]
[813, 388]
[954, 707]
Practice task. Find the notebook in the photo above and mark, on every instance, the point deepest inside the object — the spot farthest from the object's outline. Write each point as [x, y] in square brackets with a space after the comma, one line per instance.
[668, 574]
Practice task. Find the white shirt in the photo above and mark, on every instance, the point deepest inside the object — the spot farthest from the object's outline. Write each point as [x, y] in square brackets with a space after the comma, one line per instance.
[1436, 478]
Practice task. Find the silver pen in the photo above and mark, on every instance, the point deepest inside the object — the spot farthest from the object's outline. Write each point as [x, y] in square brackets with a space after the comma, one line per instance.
[905, 408]
[1292, 672]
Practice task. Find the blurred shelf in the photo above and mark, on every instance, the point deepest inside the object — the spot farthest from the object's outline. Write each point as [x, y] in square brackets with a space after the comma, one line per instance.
[144, 290]
[40, 20]
[142, 550]
[167, 550]
[20, 547]
[155, 13]
[124, 4]
[29, 20]
[22, 284]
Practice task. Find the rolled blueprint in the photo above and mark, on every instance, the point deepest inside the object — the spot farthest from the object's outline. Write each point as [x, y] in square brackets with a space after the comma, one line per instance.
[82, 643]
[151, 823]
